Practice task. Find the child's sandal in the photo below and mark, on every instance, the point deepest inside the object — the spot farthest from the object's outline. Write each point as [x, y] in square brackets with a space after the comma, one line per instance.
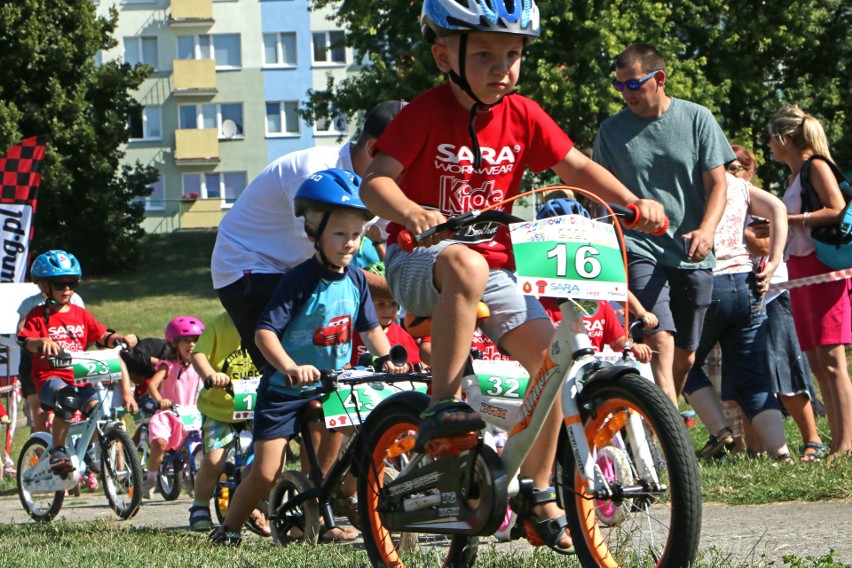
[546, 532]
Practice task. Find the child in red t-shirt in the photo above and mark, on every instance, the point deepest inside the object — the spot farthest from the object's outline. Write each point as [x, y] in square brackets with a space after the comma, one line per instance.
[387, 309]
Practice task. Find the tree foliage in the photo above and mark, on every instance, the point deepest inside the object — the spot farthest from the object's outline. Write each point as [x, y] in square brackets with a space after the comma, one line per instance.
[743, 60]
[50, 84]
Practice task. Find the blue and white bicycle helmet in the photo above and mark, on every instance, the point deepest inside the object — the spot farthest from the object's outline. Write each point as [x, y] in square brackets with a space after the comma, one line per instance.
[561, 206]
[330, 189]
[446, 17]
[55, 264]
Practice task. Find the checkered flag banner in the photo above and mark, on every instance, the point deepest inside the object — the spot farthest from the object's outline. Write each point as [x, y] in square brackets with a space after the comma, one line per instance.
[21, 171]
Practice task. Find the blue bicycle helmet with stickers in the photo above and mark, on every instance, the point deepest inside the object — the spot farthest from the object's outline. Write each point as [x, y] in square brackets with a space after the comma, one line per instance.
[446, 17]
[561, 206]
[55, 264]
[330, 189]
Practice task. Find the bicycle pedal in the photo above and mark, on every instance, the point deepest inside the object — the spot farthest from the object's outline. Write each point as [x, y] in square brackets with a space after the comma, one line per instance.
[532, 535]
[450, 445]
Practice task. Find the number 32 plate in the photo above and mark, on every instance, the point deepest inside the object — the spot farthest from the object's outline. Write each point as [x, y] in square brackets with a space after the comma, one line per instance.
[569, 257]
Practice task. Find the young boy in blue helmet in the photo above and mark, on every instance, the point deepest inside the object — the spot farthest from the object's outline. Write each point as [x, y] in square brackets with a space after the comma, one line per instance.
[308, 326]
[56, 325]
[465, 145]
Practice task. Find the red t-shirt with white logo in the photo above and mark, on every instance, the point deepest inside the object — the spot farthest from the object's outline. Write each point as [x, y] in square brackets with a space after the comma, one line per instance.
[73, 330]
[430, 138]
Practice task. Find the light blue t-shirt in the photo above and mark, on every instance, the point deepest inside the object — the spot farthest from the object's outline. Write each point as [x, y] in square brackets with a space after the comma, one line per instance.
[663, 159]
[314, 313]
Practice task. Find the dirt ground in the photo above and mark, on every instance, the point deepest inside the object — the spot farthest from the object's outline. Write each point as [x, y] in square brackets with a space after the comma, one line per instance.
[745, 535]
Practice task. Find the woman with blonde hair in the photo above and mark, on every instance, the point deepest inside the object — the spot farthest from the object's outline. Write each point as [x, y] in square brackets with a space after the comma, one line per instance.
[822, 313]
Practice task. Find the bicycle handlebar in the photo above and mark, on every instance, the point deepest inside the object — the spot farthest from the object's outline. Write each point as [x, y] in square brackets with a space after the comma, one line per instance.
[408, 241]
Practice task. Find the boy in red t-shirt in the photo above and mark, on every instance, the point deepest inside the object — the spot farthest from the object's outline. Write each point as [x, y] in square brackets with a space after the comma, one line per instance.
[465, 145]
[60, 325]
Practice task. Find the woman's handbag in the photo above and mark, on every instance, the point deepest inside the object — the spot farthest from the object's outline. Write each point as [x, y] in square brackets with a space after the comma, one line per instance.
[833, 242]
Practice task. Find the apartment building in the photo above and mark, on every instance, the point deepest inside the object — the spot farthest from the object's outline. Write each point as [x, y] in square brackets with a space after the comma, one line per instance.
[223, 100]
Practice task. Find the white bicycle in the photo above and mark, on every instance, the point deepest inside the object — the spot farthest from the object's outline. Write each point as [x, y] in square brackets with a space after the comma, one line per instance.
[42, 491]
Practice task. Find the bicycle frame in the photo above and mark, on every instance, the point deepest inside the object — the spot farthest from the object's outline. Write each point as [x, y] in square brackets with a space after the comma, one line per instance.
[80, 434]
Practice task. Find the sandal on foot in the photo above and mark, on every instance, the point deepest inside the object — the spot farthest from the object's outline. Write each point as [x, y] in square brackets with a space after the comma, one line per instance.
[338, 534]
[199, 518]
[433, 425]
[258, 524]
[716, 445]
[546, 532]
[819, 452]
[784, 458]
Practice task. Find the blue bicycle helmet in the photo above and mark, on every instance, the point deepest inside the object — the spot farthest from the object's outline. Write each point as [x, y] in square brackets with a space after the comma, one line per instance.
[55, 264]
[327, 190]
[447, 17]
[561, 206]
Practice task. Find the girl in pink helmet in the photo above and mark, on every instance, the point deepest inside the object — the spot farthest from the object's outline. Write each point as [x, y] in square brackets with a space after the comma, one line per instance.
[175, 383]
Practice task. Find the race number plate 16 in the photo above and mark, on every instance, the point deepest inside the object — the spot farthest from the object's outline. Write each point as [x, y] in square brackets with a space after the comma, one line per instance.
[245, 398]
[569, 257]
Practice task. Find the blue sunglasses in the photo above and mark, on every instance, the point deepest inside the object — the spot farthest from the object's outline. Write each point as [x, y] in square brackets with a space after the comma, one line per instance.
[633, 84]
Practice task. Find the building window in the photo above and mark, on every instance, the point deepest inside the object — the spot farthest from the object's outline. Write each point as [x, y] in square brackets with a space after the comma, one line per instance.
[282, 118]
[146, 124]
[329, 48]
[279, 49]
[336, 127]
[226, 186]
[226, 118]
[157, 200]
[223, 48]
[140, 49]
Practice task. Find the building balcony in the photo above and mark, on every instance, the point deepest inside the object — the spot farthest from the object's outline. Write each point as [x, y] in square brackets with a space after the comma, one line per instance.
[196, 147]
[194, 77]
[191, 13]
[200, 213]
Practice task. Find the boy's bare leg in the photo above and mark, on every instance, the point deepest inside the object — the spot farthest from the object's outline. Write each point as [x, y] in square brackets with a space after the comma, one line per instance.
[528, 344]
[460, 274]
[267, 465]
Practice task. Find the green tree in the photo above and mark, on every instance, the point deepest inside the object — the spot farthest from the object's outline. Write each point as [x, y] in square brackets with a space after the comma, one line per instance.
[51, 84]
[743, 60]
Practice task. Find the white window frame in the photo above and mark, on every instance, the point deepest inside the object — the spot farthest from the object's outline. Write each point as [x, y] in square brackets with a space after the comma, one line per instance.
[141, 49]
[199, 119]
[279, 62]
[334, 124]
[282, 113]
[202, 188]
[327, 48]
[146, 121]
[156, 203]
[198, 50]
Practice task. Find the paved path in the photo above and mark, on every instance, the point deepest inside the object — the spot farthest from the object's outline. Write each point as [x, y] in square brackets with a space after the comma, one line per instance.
[742, 535]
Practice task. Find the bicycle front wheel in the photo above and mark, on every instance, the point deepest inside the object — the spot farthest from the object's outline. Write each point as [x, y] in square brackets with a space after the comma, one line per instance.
[386, 452]
[638, 441]
[170, 477]
[121, 473]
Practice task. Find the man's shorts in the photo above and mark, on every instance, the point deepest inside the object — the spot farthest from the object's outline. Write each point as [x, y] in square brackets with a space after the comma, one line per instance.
[679, 298]
[50, 389]
[411, 283]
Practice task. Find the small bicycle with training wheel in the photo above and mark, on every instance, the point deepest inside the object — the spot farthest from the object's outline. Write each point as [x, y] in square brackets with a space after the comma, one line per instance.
[42, 491]
[180, 465]
[627, 474]
[347, 398]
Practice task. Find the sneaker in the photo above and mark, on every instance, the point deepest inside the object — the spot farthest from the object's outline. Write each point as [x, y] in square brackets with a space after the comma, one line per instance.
[504, 533]
[148, 487]
[199, 518]
[60, 460]
[92, 481]
[220, 536]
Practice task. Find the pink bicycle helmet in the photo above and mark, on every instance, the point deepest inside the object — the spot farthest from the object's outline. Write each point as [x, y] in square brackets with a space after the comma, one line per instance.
[183, 326]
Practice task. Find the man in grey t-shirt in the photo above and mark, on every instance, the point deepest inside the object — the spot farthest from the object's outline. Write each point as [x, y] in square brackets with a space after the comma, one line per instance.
[672, 151]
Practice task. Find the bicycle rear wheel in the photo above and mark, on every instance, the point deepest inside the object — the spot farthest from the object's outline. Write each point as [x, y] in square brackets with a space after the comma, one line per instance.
[41, 507]
[224, 491]
[386, 452]
[639, 442]
[121, 474]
